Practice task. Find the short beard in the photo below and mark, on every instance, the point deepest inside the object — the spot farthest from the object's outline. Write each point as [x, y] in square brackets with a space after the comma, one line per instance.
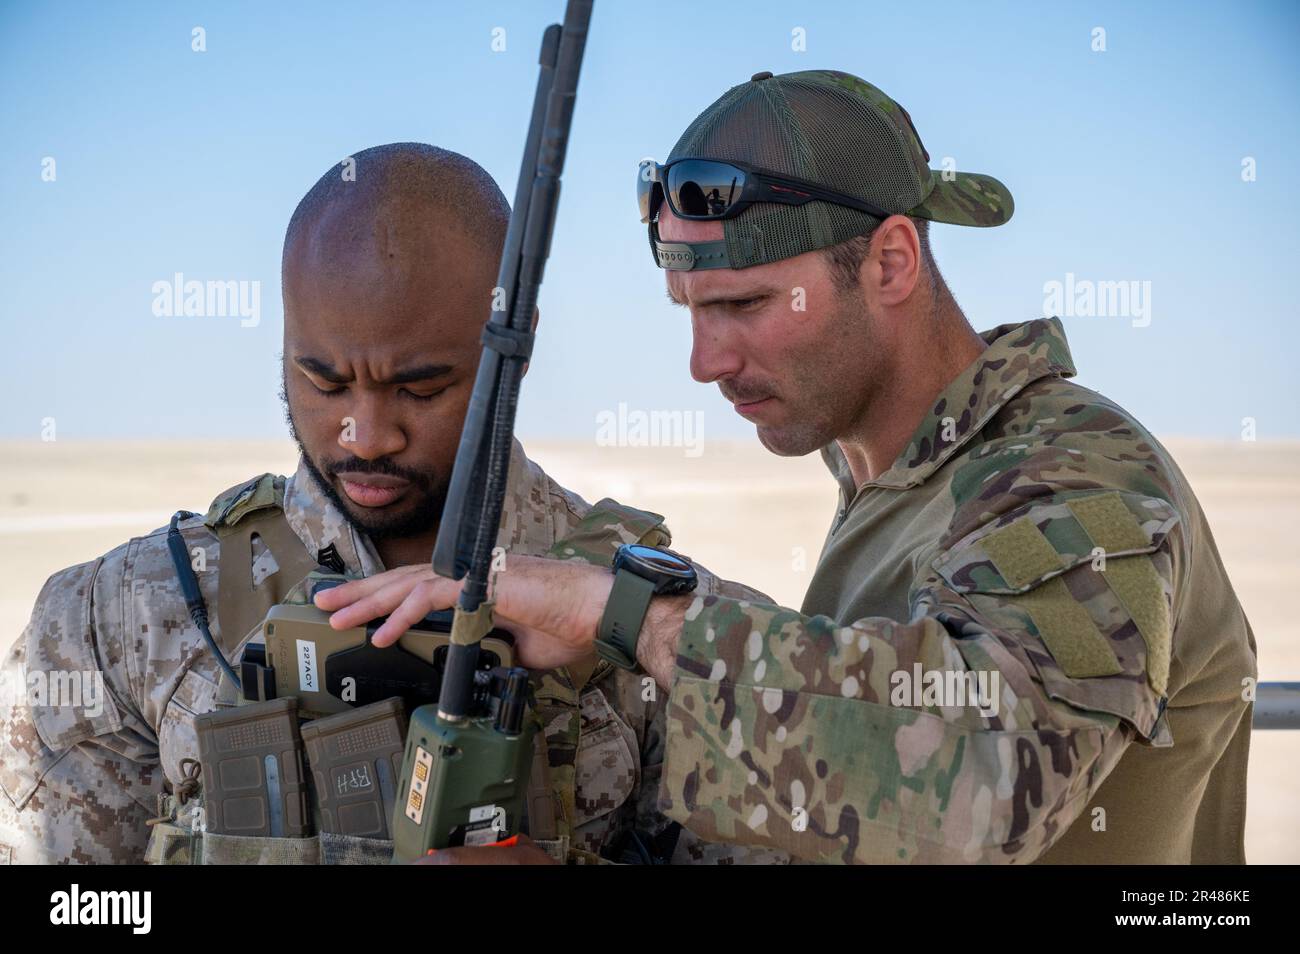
[422, 520]
[831, 409]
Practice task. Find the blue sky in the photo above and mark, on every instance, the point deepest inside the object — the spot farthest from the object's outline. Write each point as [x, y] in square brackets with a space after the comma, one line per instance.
[1126, 165]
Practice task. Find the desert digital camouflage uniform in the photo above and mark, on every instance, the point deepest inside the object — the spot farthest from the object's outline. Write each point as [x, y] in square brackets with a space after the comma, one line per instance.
[81, 783]
[1031, 528]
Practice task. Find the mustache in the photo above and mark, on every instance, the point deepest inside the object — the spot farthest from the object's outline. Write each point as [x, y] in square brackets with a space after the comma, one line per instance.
[356, 465]
[382, 466]
[744, 393]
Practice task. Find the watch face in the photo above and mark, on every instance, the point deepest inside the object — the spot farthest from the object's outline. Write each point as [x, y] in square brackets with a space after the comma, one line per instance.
[669, 573]
[659, 560]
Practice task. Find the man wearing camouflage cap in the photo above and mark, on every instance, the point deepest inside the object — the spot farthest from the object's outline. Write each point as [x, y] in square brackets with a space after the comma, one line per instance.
[1019, 643]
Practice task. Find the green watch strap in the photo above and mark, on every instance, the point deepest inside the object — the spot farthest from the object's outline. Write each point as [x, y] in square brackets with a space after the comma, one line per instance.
[629, 599]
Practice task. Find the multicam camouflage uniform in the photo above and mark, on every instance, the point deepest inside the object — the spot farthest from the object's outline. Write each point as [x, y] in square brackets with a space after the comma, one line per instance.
[1031, 529]
[82, 783]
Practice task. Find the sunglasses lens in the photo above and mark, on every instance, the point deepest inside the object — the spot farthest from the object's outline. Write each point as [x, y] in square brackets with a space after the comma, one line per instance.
[703, 189]
[647, 182]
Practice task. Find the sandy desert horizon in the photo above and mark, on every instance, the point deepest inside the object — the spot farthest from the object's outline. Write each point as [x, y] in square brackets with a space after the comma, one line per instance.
[735, 508]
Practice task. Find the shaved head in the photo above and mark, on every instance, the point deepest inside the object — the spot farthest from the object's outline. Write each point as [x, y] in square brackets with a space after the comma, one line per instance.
[389, 266]
[412, 175]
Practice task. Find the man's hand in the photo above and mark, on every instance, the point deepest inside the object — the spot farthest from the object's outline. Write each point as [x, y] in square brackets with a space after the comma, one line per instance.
[523, 852]
[551, 607]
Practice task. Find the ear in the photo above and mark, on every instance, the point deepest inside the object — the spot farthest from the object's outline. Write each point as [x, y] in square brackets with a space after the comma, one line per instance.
[896, 251]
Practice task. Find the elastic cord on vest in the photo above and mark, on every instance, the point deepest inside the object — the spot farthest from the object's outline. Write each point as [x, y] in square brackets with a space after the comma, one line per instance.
[510, 342]
[193, 597]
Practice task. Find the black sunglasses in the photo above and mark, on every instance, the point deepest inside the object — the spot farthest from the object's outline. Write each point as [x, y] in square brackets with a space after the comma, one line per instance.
[712, 189]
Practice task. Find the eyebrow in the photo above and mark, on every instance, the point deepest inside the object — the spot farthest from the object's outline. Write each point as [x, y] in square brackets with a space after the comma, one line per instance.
[423, 372]
[765, 291]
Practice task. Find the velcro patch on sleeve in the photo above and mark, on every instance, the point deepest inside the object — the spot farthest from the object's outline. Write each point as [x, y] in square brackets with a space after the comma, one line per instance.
[1069, 632]
[1137, 584]
[656, 537]
[1021, 552]
[233, 505]
[1108, 522]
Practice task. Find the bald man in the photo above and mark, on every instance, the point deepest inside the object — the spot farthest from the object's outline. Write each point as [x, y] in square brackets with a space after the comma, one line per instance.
[389, 264]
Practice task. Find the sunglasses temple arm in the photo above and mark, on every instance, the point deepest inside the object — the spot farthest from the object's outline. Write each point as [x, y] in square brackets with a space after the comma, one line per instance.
[813, 192]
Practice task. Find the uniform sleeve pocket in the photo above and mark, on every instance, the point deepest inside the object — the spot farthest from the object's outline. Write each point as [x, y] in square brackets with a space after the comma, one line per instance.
[194, 695]
[608, 770]
[68, 696]
[1029, 546]
[1083, 581]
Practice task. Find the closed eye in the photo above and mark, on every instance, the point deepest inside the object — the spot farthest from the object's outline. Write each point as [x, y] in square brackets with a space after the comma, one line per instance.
[422, 397]
[335, 392]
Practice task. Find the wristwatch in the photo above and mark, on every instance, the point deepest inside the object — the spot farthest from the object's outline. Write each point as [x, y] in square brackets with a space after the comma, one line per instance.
[640, 573]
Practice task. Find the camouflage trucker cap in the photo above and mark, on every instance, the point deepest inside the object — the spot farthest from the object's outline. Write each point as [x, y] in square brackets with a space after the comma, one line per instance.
[839, 132]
